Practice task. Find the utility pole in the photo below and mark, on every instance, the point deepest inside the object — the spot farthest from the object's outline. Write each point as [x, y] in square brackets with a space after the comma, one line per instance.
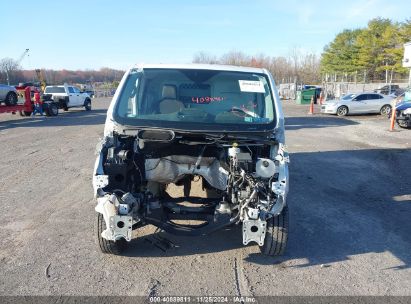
[386, 73]
[406, 62]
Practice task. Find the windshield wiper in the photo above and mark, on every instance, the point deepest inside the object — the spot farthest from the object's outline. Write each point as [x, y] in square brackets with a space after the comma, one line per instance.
[245, 111]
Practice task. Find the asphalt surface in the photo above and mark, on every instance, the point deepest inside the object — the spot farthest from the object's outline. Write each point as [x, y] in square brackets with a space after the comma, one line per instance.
[350, 227]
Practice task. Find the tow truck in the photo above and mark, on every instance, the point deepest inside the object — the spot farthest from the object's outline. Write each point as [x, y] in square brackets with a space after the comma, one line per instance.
[25, 106]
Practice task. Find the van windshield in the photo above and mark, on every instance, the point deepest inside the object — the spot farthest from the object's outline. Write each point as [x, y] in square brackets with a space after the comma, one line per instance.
[179, 98]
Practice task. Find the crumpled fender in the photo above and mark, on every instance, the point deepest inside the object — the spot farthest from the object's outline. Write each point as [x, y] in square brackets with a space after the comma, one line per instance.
[100, 180]
[281, 187]
[106, 207]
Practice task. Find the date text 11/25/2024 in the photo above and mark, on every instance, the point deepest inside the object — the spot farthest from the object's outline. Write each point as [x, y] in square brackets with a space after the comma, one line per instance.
[201, 299]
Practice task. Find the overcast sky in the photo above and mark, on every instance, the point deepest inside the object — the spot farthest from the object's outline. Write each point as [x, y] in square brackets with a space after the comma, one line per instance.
[90, 34]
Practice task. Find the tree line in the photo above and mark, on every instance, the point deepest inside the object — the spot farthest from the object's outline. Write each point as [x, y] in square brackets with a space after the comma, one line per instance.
[296, 67]
[16, 75]
[367, 54]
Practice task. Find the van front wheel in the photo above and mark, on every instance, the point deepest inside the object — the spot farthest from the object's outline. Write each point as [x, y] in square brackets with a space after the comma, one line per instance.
[276, 236]
[106, 246]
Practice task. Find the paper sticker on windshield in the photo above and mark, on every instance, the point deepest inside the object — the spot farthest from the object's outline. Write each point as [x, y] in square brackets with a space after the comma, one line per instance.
[251, 86]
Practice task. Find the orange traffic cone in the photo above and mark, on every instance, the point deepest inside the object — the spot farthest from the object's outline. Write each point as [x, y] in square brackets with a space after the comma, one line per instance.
[321, 98]
[311, 106]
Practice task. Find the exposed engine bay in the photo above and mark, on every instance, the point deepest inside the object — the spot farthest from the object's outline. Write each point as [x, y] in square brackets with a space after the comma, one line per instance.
[246, 181]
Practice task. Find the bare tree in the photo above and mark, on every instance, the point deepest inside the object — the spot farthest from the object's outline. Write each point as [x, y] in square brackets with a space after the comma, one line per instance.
[309, 68]
[281, 69]
[296, 67]
[203, 57]
[235, 58]
[8, 68]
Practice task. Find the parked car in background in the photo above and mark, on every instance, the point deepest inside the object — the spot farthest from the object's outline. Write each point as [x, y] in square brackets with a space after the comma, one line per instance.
[68, 97]
[398, 92]
[388, 89]
[403, 115]
[8, 94]
[402, 106]
[358, 103]
[86, 88]
[90, 93]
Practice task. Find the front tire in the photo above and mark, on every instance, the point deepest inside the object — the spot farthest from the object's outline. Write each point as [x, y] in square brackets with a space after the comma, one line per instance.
[403, 124]
[385, 110]
[11, 99]
[276, 236]
[52, 109]
[342, 111]
[106, 246]
[87, 105]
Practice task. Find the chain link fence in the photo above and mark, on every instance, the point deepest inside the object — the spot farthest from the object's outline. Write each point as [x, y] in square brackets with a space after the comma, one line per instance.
[337, 89]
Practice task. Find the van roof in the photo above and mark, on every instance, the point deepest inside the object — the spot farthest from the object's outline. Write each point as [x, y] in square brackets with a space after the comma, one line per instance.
[197, 66]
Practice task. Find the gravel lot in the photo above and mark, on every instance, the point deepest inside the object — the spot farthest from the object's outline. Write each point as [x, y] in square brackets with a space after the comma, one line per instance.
[350, 206]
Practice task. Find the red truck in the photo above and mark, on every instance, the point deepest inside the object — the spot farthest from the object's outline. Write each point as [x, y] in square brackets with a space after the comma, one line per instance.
[25, 105]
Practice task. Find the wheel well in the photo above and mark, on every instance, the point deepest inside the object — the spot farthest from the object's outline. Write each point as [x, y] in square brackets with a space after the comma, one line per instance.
[61, 103]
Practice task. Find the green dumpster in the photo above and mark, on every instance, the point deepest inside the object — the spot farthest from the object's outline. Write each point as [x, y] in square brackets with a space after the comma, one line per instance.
[304, 96]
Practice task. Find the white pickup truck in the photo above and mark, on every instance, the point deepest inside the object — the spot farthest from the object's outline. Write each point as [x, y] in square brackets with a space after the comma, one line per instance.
[68, 97]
